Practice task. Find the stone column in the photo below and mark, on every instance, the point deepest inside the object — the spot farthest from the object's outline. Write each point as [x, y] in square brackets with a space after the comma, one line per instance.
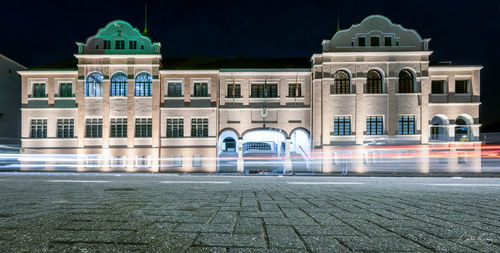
[105, 113]
[288, 160]
[240, 162]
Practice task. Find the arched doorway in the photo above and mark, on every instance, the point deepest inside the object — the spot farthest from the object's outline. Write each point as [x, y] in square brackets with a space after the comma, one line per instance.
[264, 150]
[439, 128]
[227, 155]
[300, 150]
[462, 129]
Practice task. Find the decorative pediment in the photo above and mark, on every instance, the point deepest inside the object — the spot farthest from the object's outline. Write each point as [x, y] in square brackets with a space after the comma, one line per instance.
[118, 37]
[376, 33]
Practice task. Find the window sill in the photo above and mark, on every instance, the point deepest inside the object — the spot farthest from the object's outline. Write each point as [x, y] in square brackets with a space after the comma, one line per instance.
[117, 97]
[42, 98]
[463, 94]
[173, 98]
[64, 98]
[200, 98]
[375, 94]
[439, 94]
[340, 95]
[402, 94]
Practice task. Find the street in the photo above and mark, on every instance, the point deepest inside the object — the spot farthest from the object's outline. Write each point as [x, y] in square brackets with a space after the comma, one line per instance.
[70, 212]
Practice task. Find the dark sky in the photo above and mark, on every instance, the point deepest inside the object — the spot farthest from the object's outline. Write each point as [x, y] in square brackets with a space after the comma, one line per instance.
[465, 32]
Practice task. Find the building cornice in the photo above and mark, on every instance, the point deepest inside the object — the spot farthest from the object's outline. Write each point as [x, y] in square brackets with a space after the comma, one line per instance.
[385, 53]
[455, 68]
[187, 71]
[47, 72]
[117, 56]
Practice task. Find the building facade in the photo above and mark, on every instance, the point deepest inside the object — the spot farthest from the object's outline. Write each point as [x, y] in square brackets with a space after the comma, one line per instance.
[123, 108]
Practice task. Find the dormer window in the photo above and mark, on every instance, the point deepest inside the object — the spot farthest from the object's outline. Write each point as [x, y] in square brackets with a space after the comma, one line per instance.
[374, 41]
[362, 42]
[120, 44]
[107, 44]
[388, 41]
[132, 44]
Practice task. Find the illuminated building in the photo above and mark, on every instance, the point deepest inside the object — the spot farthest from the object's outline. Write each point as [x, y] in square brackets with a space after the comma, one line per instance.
[124, 108]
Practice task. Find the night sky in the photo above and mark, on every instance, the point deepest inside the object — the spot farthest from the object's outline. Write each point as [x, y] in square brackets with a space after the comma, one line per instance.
[465, 32]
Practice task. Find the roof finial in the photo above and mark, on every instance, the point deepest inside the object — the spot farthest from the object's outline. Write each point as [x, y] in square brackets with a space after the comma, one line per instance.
[145, 18]
[338, 16]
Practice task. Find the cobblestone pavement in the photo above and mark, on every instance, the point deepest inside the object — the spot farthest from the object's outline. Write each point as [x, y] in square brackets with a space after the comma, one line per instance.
[158, 213]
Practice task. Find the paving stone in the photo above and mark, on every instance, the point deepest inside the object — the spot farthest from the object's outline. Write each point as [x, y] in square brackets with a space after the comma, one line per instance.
[379, 244]
[327, 230]
[248, 226]
[204, 228]
[230, 240]
[283, 237]
[323, 243]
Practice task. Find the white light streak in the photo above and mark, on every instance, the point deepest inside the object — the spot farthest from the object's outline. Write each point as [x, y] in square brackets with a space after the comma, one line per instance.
[78, 181]
[195, 182]
[470, 185]
[313, 183]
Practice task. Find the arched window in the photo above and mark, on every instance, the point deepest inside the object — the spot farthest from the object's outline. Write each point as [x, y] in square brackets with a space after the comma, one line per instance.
[373, 82]
[230, 144]
[143, 85]
[342, 83]
[93, 85]
[438, 128]
[406, 81]
[462, 129]
[119, 85]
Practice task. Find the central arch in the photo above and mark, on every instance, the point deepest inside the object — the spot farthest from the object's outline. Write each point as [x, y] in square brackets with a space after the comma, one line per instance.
[264, 150]
[439, 128]
[227, 151]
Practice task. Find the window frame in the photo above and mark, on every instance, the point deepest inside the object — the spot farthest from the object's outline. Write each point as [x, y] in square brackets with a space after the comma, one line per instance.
[97, 87]
[35, 90]
[467, 86]
[175, 127]
[93, 133]
[118, 127]
[39, 127]
[293, 91]
[443, 87]
[65, 130]
[118, 87]
[181, 94]
[237, 90]
[372, 38]
[261, 89]
[379, 125]
[143, 87]
[341, 85]
[411, 124]
[340, 120]
[202, 93]
[370, 82]
[199, 129]
[143, 127]
[403, 83]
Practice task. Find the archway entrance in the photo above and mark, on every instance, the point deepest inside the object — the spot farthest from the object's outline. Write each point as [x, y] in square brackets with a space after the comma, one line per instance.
[264, 151]
[227, 155]
[462, 129]
[439, 128]
[300, 150]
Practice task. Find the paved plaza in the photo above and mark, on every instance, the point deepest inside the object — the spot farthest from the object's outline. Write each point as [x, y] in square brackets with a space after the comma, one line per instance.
[162, 213]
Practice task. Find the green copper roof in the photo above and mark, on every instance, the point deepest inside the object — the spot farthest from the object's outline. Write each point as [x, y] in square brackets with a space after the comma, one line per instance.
[118, 37]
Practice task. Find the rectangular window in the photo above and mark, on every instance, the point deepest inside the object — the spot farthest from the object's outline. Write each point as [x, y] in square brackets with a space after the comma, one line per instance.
[38, 128]
[406, 125]
[143, 161]
[201, 89]
[143, 127]
[65, 128]
[374, 125]
[176, 161]
[261, 90]
[38, 90]
[437, 86]
[294, 90]
[107, 44]
[65, 90]
[119, 44]
[132, 44]
[236, 89]
[362, 42]
[197, 162]
[93, 128]
[175, 128]
[375, 41]
[199, 127]
[461, 86]
[342, 125]
[388, 41]
[119, 128]
[174, 89]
